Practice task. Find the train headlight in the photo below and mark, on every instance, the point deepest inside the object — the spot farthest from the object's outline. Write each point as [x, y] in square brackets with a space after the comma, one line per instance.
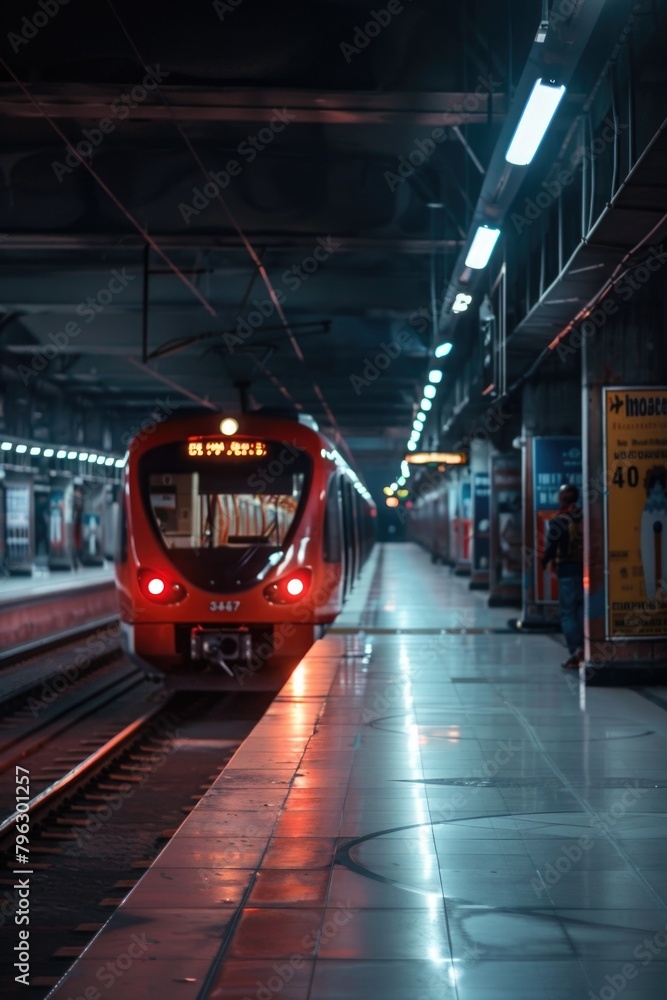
[289, 589]
[159, 589]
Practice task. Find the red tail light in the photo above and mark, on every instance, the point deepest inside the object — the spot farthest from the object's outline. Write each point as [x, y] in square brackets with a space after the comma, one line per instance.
[289, 589]
[159, 588]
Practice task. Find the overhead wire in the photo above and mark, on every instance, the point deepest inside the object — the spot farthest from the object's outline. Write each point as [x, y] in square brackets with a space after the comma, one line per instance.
[241, 234]
[110, 194]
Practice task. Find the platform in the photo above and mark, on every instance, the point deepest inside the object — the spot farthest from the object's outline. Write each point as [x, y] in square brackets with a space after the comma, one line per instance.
[54, 603]
[432, 813]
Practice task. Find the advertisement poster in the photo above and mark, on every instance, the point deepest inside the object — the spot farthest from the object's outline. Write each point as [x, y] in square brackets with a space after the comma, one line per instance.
[453, 510]
[465, 525]
[480, 535]
[506, 530]
[556, 460]
[635, 424]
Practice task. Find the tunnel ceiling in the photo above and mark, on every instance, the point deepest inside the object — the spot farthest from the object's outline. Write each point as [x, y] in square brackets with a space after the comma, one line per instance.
[312, 117]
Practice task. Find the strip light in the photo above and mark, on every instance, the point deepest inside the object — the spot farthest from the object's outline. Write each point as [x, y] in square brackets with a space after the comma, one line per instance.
[482, 247]
[535, 120]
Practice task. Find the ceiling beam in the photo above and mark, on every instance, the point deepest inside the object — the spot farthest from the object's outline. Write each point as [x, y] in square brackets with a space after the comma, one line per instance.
[309, 107]
[216, 241]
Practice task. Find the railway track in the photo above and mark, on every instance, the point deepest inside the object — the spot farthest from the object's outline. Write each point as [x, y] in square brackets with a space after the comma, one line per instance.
[113, 765]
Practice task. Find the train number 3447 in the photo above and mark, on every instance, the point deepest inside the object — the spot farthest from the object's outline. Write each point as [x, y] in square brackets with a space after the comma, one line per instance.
[224, 605]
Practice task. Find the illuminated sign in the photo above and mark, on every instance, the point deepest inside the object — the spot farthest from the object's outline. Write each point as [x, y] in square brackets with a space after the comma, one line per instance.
[216, 447]
[435, 457]
[635, 425]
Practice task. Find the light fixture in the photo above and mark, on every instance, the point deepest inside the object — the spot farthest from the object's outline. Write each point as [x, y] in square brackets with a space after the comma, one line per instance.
[83, 456]
[539, 110]
[412, 446]
[400, 481]
[394, 487]
[21, 448]
[48, 453]
[481, 247]
[442, 350]
[101, 460]
[72, 454]
[110, 461]
[461, 302]
[62, 453]
[387, 490]
[418, 424]
[120, 462]
[439, 458]
[421, 416]
[229, 426]
[430, 391]
[92, 458]
[35, 450]
[426, 404]
[6, 446]
[405, 468]
[435, 376]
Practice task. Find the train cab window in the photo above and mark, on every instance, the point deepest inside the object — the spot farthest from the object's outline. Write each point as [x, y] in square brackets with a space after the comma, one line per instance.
[239, 508]
[207, 511]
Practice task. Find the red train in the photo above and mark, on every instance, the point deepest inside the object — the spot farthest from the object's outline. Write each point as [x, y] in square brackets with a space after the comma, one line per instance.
[240, 537]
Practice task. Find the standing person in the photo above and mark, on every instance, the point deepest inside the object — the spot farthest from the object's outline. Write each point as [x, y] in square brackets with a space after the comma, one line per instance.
[565, 547]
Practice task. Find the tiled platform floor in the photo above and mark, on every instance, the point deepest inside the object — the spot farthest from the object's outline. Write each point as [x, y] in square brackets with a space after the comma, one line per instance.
[418, 816]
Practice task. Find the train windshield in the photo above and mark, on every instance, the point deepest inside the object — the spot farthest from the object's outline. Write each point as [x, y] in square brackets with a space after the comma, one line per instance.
[222, 514]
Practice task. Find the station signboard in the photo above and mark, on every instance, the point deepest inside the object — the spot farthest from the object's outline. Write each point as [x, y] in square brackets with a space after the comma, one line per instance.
[506, 530]
[480, 534]
[556, 460]
[635, 454]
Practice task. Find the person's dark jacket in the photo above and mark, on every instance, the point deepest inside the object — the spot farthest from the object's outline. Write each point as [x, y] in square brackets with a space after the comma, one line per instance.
[565, 543]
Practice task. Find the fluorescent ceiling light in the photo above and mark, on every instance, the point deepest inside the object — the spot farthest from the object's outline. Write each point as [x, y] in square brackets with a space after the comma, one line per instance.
[435, 376]
[62, 453]
[442, 350]
[461, 303]
[425, 404]
[481, 247]
[537, 114]
[48, 453]
[35, 450]
[21, 448]
[412, 446]
[430, 391]
[418, 424]
[6, 446]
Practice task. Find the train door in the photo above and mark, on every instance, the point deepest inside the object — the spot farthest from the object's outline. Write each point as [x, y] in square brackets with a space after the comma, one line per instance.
[19, 529]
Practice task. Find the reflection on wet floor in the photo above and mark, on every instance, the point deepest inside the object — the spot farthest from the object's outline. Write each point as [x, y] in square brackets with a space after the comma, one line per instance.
[441, 816]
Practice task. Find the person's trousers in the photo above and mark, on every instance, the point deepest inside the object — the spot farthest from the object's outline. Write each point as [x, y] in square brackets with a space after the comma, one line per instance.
[571, 601]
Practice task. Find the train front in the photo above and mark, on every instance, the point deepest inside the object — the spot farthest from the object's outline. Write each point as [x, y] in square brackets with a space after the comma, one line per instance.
[222, 564]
